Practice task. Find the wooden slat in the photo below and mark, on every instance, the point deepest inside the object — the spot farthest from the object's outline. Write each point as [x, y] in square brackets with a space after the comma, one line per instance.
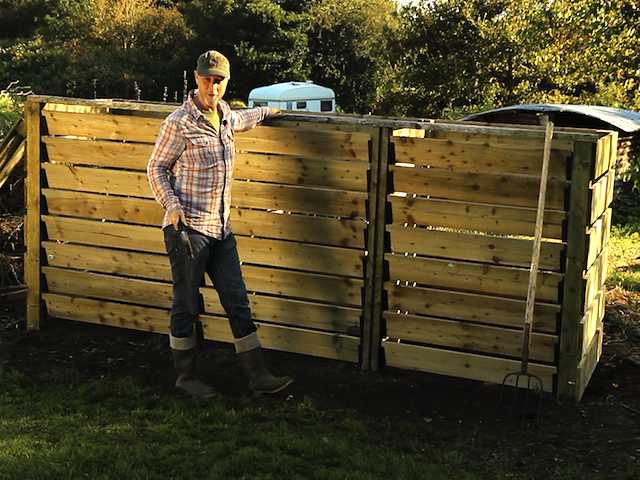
[519, 137]
[245, 194]
[328, 231]
[472, 277]
[132, 156]
[97, 180]
[517, 157]
[332, 260]
[160, 294]
[316, 258]
[299, 199]
[593, 318]
[595, 278]
[6, 168]
[324, 288]
[109, 207]
[32, 260]
[315, 287]
[105, 234]
[459, 364]
[479, 248]
[603, 156]
[598, 236]
[476, 187]
[468, 336]
[336, 346]
[308, 143]
[469, 216]
[599, 198]
[588, 364]
[105, 126]
[489, 310]
[292, 170]
[611, 180]
[269, 168]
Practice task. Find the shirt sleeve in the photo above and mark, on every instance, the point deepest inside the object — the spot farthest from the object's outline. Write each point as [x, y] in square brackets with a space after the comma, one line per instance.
[169, 146]
[243, 120]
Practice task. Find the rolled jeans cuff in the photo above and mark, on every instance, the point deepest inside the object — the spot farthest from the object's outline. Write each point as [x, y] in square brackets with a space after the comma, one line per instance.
[182, 343]
[246, 343]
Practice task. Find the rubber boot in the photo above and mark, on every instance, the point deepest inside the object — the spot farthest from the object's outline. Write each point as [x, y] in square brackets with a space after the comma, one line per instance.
[260, 379]
[184, 362]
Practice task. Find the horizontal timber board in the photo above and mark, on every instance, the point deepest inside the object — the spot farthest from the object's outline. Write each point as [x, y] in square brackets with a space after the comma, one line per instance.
[301, 256]
[603, 156]
[601, 196]
[160, 294]
[519, 157]
[598, 236]
[509, 190]
[302, 171]
[275, 337]
[308, 143]
[595, 278]
[588, 363]
[592, 319]
[101, 125]
[470, 216]
[492, 136]
[479, 248]
[347, 175]
[267, 252]
[485, 309]
[330, 231]
[340, 203]
[459, 364]
[314, 287]
[352, 122]
[473, 277]
[245, 194]
[468, 336]
[142, 211]
[131, 156]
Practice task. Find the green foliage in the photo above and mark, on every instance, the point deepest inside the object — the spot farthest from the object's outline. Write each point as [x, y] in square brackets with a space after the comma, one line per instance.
[11, 100]
[624, 257]
[434, 58]
[350, 44]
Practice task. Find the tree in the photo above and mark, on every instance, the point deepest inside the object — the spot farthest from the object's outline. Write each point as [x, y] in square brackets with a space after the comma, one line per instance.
[350, 43]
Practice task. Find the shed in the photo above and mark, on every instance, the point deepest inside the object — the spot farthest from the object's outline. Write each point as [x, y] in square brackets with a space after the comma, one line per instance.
[297, 96]
[625, 122]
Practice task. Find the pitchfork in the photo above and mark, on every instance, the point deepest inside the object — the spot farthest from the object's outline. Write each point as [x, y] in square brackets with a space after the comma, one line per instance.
[527, 384]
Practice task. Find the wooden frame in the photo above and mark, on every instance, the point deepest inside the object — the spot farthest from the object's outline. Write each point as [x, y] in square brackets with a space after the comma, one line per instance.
[341, 261]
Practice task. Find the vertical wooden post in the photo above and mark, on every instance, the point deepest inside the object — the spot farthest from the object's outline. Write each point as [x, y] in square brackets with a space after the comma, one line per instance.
[367, 312]
[574, 284]
[372, 330]
[32, 265]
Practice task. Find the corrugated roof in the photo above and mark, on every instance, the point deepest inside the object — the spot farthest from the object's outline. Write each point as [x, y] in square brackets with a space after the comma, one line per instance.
[625, 120]
[291, 91]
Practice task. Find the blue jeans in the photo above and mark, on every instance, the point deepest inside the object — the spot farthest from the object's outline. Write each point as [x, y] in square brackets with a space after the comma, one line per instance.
[219, 258]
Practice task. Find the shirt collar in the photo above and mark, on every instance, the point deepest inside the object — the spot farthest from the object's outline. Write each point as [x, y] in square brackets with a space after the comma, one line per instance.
[195, 112]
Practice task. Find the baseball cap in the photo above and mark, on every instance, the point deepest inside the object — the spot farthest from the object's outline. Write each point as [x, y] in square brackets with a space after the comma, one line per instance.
[212, 63]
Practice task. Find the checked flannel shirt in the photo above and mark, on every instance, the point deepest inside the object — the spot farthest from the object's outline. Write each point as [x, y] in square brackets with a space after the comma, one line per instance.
[192, 165]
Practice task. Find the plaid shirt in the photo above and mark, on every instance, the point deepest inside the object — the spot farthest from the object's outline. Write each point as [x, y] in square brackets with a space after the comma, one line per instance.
[192, 165]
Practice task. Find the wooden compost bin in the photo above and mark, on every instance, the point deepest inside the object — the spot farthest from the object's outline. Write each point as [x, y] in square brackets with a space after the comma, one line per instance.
[357, 243]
